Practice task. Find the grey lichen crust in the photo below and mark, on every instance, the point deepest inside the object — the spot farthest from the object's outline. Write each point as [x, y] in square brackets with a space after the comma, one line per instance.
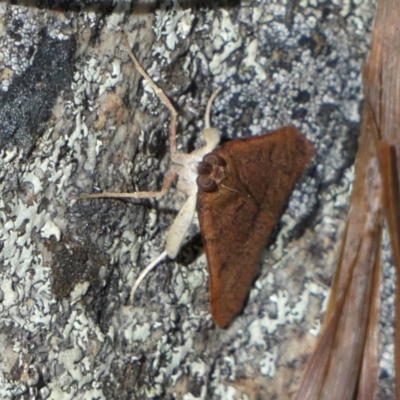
[67, 330]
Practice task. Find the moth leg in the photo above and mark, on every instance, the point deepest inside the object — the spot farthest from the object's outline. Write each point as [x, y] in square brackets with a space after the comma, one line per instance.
[175, 238]
[169, 178]
[143, 274]
[177, 231]
[161, 95]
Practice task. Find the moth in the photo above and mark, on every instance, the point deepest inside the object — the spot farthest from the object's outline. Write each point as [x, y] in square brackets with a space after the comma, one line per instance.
[240, 190]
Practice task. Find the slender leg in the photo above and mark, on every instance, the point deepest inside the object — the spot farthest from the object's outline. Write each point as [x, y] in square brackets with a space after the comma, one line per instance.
[160, 93]
[177, 232]
[175, 238]
[134, 195]
[143, 274]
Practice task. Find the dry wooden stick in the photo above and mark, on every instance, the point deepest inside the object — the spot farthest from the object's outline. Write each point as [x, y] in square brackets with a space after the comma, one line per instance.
[334, 368]
[344, 364]
[382, 91]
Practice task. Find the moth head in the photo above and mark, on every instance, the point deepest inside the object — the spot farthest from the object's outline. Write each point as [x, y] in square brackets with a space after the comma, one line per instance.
[212, 171]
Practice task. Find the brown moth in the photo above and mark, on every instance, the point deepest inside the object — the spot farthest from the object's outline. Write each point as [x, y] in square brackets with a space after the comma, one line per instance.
[243, 188]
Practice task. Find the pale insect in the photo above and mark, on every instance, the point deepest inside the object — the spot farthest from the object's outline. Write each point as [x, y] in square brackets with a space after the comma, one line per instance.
[182, 165]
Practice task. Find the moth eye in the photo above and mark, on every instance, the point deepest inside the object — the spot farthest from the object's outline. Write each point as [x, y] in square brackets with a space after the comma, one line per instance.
[214, 159]
[204, 168]
[206, 183]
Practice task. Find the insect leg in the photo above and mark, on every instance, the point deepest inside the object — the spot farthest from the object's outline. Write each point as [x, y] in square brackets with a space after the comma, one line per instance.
[169, 178]
[175, 238]
[160, 93]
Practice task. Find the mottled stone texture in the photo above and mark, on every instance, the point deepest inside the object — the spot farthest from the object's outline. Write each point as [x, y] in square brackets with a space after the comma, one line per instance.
[77, 118]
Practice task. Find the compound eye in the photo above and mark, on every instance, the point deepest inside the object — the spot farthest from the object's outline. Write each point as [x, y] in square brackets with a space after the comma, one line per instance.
[206, 183]
[214, 159]
[204, 168]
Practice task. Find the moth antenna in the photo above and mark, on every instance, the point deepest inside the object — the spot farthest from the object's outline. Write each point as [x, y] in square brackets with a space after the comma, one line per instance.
[208, 108]
[235, 190]
[143, 274]
[229, 188]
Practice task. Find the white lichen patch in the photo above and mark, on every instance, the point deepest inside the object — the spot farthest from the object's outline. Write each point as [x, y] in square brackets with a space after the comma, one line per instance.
[268, 363]
[225, 38]
[226, 392]
[79, 291]
[171, 24]
[50, 229]
[250, 60]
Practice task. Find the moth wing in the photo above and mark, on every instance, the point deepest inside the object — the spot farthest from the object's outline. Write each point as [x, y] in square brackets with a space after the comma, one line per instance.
[237, 220]
[270, 165]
